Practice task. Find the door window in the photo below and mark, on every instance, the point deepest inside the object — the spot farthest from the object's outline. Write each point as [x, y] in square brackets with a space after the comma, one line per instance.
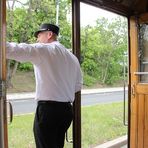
[143, 53]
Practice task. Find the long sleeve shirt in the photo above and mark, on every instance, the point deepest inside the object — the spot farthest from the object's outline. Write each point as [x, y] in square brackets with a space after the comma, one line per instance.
[57, 71]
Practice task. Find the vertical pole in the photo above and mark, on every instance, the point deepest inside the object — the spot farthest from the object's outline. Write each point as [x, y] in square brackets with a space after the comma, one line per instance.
[3, 114]
[76, 27]
[76, 51]
[57, 12]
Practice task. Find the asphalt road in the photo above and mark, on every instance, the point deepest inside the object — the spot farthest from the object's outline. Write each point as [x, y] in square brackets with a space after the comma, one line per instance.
[29, 105]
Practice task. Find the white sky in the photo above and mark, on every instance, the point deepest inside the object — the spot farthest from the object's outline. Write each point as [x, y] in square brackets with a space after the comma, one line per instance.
[89, 14]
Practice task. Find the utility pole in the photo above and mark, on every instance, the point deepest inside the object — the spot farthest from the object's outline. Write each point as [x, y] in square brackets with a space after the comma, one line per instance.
[57, 12]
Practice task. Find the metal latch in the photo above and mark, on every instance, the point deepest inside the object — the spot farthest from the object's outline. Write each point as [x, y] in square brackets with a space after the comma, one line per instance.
[2, 88]
[133, 90]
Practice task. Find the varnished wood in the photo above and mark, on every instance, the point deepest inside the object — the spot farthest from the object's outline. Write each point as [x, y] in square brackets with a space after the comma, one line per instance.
[4, 131]
[140, 120]
[76, 51]
[122, 7]
[143, 18]
[146, 122]
[142, 88]
[139, 99]
[134, 80]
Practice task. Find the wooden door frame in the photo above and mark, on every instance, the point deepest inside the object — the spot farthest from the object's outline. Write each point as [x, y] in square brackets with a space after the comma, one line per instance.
[129, 83]
[76, 51]
[136, 116]
[3, 109]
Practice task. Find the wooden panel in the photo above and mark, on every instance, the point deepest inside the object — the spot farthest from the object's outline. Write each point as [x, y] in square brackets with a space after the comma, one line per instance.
[134, 48]
[133, 123]
[122, 7]
[134, 80]
[142, 88]
[143, 18]
[146, 123]
[109, 5]
[140, 121]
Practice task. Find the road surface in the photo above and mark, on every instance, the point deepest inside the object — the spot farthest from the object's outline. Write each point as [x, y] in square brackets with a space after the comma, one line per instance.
[29, 105]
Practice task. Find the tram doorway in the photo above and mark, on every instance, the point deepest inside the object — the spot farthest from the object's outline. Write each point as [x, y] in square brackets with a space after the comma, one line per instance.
[104, 52]
[137, 84]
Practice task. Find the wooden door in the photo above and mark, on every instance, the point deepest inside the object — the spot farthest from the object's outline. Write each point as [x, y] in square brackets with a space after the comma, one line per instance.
[138, 130]
[3, 114]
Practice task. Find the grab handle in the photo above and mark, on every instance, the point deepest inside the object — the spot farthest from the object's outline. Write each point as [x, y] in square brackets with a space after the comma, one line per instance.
[67, 139]
[124, 107]
[10, 108]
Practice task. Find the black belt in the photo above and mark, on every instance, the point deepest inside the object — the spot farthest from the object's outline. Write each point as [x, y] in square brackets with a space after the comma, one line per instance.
[52, 102]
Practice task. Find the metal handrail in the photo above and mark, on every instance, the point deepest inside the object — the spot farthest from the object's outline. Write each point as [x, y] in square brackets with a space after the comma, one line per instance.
[141, 73]
[124, 105]
[11, 112]
[67, 139]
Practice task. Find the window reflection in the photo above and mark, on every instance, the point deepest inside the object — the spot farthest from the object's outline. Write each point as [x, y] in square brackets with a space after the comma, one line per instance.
[143, 52]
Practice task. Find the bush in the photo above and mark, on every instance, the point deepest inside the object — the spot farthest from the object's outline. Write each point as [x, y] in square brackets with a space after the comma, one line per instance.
[25, 66]
[88, 80]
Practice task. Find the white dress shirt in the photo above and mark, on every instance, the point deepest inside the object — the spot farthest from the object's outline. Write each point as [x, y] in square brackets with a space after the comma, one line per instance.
[57, 70]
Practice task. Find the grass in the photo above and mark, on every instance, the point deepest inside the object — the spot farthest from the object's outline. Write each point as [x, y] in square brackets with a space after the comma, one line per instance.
[100, 123]
[20, 132]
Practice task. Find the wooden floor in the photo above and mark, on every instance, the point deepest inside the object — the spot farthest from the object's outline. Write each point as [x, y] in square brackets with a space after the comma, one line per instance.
[120, 142]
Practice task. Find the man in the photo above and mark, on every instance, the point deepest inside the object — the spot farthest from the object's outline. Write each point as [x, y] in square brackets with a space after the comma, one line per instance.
[58, 77]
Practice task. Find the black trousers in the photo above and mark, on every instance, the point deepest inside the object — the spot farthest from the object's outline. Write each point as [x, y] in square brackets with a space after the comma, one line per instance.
[52, 119]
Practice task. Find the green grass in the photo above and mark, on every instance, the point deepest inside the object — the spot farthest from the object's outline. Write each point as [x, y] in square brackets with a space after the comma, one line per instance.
[100, 123]
[21, 133]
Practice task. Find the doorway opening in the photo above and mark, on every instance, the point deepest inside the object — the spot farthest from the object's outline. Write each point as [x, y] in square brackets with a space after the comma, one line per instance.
[104, 61]
[105, 67]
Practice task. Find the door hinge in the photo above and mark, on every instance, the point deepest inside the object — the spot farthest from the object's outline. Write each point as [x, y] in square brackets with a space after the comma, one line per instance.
[2, 88]
[133, 90]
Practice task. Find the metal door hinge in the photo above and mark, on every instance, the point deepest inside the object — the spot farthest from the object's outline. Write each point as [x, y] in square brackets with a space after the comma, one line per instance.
[133, 90]
[2, 88]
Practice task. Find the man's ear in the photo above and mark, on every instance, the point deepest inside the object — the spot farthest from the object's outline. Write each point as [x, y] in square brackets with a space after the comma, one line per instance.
[50, 34]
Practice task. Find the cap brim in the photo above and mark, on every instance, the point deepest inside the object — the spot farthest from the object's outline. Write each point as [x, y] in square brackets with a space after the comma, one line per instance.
[37, 32]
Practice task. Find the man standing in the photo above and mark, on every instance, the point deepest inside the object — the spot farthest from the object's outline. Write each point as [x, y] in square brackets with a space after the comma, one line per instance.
[58, 78]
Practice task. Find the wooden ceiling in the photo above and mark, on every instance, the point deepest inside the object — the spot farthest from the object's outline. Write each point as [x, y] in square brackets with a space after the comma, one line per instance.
[122, 7]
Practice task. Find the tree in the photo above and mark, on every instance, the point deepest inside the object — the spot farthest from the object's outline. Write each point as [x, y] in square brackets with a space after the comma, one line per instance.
[103, 46]
[25, 19]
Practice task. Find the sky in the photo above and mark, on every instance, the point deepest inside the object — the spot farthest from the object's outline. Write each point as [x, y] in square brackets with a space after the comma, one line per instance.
[89, 14]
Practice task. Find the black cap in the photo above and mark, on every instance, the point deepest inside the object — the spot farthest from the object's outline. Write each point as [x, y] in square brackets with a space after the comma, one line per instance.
[47, 27]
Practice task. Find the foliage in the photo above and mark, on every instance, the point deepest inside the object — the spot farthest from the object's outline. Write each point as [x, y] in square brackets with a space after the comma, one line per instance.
[103, 48]
[25, 66]
[88, 80]
[28, 17]
[25, 19]
[102, 45]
